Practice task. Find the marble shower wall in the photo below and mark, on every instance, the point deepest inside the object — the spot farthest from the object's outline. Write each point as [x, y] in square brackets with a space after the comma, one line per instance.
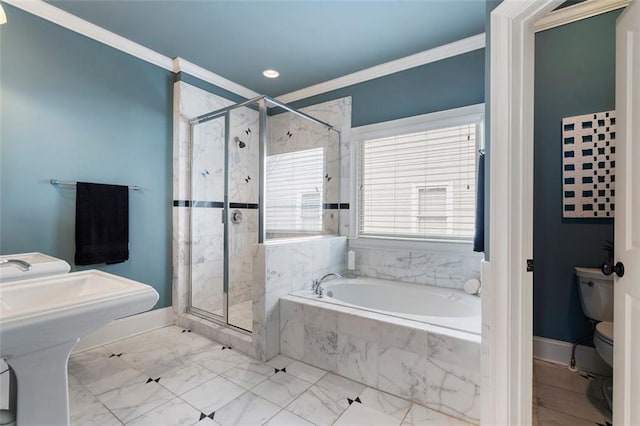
[289, 132]
[441, 269]
[432, 366]
[286, 266]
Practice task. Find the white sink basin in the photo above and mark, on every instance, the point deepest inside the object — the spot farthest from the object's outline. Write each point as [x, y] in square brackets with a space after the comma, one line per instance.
[42, 319]
[41, 265]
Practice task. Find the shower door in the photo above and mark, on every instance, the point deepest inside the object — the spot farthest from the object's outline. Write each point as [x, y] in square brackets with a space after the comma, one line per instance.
[224, 215]
[208, 170]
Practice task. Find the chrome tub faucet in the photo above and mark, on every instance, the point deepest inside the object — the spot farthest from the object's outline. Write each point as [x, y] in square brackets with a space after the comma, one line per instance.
[316, 284]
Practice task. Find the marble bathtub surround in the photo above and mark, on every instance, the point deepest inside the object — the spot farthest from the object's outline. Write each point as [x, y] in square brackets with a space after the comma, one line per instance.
[430, 365]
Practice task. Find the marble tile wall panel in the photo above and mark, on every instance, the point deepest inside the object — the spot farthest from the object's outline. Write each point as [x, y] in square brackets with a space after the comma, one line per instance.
[419, 267]
[429, 365]
[244, 163]
[289, 266]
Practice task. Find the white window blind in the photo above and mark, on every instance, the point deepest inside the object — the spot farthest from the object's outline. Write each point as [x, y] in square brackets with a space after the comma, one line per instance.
[294, 191]
[419, 185]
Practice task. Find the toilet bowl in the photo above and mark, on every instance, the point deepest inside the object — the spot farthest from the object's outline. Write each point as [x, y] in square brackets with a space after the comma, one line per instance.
[603, 341]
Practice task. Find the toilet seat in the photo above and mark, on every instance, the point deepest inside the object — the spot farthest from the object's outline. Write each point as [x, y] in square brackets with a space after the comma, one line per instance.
[604, 330]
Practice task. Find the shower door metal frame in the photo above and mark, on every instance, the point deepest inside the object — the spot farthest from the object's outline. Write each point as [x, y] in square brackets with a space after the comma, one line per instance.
[261, 101]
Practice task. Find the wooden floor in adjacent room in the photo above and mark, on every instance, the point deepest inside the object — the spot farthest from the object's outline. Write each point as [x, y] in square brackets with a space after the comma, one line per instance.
[565, 398]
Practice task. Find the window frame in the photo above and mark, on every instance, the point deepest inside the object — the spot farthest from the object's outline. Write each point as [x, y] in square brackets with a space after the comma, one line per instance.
[425, 122]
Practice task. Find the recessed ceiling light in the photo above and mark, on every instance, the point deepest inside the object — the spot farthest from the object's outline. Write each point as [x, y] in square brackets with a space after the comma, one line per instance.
[271, 73]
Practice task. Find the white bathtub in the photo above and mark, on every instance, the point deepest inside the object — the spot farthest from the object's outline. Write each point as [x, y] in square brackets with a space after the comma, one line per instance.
[444, 307]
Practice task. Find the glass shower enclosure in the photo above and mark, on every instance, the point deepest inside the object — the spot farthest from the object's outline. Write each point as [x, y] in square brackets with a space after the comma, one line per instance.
[259, 170]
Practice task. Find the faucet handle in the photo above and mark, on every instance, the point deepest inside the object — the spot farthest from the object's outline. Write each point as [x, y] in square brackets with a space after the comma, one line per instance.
[315, 283]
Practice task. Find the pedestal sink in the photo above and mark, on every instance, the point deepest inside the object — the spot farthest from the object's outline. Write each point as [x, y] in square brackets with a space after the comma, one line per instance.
[42, 319]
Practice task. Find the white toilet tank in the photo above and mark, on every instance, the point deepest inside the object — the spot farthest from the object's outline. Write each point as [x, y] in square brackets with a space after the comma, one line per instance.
[596, 293]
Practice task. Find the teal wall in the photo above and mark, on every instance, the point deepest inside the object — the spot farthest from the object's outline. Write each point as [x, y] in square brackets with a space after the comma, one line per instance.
[445, 84]
[575, 74]
[74, 109]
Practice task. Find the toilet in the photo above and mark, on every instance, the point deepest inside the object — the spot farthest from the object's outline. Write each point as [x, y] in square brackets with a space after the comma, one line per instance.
[596, 298]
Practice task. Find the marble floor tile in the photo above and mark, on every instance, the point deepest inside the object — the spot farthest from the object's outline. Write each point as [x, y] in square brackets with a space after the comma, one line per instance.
[186, 377]
[340, 386]
[86, 409]
[281, 388]
[249, 374]
[213, 394]
[385, 403]
[248, 409]
[287, 418]
[422, 416]
[280, 361]
[133, 400]
[96, 368]
[306, 372]
[115, 380]
[318, 406]
[174, 413]
[154, 361]
[358, 414]
[219, 358]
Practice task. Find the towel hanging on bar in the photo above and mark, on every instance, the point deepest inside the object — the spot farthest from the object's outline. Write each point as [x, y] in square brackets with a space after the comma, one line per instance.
[102, 223]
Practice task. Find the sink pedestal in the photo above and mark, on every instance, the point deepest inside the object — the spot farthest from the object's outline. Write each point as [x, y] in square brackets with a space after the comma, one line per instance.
[43, 390]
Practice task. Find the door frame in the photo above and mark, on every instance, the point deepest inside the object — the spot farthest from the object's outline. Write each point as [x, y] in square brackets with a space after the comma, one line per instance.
[507, 302]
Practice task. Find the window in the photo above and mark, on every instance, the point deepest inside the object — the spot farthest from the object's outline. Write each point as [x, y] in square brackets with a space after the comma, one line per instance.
[419, 184]
[294, 191]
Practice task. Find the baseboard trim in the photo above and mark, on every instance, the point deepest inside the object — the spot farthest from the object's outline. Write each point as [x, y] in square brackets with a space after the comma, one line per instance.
[559, 352]
[127, 327]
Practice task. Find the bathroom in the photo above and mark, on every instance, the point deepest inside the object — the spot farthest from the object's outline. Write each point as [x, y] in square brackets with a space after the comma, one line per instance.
[128, 120]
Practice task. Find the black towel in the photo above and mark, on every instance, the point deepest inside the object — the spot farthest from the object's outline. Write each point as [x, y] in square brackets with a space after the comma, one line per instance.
[478, 238]
[102, 223]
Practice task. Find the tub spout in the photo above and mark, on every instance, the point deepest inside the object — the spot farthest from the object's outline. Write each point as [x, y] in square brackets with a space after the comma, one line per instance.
[330, 274]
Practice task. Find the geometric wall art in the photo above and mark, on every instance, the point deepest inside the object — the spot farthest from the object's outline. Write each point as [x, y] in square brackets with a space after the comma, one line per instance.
[588, 165]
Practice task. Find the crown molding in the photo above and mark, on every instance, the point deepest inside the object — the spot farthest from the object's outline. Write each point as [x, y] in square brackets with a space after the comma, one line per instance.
[71, 22]
[182, 65]
[432, 55]
[584, 10]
